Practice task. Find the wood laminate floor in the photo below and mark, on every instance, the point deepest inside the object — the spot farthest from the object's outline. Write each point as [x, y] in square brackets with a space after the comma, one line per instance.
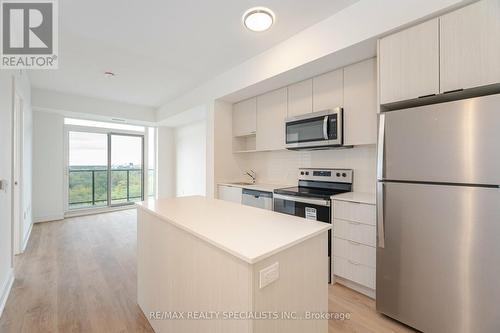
[79, 275]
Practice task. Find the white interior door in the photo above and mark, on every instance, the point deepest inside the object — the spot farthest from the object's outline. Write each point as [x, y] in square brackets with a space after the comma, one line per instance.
[17, 206]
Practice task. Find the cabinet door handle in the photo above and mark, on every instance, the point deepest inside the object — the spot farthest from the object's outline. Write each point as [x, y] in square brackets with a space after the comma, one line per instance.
[354, 243]
[354, 223]
[452, 91]
[353, 262]
[424, 96]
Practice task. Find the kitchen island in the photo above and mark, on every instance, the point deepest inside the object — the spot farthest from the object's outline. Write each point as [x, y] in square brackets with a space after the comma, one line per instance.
[207, 265]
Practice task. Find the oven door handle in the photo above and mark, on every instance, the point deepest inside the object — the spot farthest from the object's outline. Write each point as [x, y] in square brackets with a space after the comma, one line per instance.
[318, 202]
[325, 128]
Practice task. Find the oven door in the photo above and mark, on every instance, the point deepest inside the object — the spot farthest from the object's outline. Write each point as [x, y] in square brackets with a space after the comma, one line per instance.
[309, 208]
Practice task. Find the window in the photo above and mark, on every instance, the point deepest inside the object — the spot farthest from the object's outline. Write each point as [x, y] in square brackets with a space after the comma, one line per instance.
[88, 170]
[107, 166]
[151, 162]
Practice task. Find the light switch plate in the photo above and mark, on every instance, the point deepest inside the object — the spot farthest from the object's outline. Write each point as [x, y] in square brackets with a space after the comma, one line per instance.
[269, 274]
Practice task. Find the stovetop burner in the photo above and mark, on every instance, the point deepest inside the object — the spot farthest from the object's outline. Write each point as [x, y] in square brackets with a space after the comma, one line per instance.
[320, 183]
[312, 192]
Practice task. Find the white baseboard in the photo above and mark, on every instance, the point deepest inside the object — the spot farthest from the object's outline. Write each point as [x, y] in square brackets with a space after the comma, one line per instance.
[5, 291]
[48, 218]
[26, 239]
[93, 211]
[355, 286]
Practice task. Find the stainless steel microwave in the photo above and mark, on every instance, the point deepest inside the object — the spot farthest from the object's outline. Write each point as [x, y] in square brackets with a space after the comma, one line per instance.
[317, 130]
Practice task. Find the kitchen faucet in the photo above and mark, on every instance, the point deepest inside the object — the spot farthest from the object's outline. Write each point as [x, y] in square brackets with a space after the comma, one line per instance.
[252, 174]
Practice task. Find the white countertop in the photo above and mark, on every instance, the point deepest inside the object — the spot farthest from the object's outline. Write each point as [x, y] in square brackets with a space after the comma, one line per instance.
[248, 233]
[258, 186]
[361, 197]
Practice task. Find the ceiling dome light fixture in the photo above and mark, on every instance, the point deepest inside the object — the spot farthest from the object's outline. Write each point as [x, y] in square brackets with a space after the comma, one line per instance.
[258, 19]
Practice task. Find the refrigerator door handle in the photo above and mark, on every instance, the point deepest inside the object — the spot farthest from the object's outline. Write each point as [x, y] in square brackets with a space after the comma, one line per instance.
[380, 147]
[380, 215]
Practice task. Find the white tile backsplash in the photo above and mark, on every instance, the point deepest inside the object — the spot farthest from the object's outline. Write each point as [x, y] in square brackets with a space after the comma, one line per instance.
[280, 167]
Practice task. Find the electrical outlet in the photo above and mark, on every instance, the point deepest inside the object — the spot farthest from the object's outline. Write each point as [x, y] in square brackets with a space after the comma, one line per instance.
[269, 274]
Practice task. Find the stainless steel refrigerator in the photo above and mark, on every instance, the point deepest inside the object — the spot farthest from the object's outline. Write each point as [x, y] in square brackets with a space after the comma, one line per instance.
[438, 223]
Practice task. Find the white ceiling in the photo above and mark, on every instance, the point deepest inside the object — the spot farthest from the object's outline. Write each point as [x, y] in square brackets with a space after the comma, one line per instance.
[163, 48]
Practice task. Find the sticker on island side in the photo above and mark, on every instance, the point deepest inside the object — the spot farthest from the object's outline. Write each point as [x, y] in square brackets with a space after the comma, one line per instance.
[311, 213]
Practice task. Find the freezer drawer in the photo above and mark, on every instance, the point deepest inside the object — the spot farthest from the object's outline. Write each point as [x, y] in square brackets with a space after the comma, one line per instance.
[439, 269]
[454, 142]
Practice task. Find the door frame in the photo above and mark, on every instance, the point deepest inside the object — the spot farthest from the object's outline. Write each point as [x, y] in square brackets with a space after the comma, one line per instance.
[108, 132]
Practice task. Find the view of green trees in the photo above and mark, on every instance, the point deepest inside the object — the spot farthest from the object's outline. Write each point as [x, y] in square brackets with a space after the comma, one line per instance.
[82, 194]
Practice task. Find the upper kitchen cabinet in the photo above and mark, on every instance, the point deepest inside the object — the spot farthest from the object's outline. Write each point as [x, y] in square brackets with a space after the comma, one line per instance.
[470, 46]
[409, 63]
[300, 98]
[360, 103]
[271, 114]
[244, 117]
[327, 91]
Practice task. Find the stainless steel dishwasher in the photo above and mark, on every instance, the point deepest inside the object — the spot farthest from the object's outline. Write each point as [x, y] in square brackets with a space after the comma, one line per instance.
[255, 198]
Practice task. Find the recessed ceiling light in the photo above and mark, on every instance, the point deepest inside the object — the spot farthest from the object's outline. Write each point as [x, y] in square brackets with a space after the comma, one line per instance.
[109, 74]
[258, 19]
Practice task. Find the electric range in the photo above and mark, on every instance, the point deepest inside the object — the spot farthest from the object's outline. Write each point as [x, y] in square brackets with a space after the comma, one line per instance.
[311, 199]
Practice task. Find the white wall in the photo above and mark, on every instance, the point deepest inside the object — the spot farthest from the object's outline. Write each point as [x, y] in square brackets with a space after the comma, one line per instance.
[280, 167]
[101, 109]
[166, 162]
[224, 161]
[48, 163]
[190, 159]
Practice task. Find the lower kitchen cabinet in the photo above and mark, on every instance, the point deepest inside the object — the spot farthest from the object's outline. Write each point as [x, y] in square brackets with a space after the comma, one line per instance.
[229, 193]
[353, 271]
[355, 231]
[354, 245]
[359, 253]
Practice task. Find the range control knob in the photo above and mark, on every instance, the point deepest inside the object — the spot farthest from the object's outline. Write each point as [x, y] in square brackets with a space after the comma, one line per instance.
[344, 174]
[302, 173]
[307, 173]
[338, 174]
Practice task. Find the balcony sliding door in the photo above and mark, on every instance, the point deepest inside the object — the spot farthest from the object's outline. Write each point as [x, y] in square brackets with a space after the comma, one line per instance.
[88, 170]
[104, 169]
[126, 163]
